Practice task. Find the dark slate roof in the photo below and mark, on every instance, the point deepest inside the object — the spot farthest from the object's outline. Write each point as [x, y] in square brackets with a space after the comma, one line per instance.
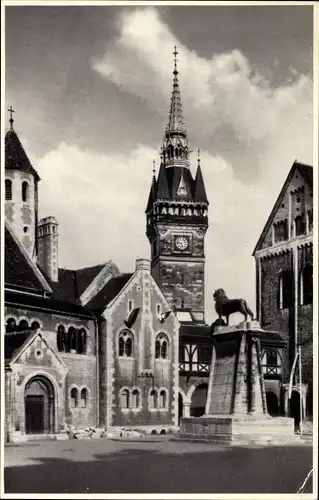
[85, 276]
[110, 290]
[15, 155]
[18, 271]
[48, 303]
[152, 195]
[173, 175]
[307, 172]
[72, 283]
[65, 289]
[162, 191]
[13, 342]
[200, 191]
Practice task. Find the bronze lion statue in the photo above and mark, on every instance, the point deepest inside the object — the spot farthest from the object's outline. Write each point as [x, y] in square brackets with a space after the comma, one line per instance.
[225, 306]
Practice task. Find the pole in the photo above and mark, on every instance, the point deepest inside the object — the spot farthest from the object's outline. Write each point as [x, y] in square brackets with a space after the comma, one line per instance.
[300, 391]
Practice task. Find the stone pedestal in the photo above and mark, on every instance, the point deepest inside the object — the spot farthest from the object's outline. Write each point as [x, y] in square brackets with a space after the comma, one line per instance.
[236, 409]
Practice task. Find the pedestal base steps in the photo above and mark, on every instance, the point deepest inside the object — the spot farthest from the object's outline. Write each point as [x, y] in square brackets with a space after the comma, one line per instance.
[240, 430]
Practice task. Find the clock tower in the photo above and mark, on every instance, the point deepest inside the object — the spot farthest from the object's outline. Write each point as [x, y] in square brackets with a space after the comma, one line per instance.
[177, 219]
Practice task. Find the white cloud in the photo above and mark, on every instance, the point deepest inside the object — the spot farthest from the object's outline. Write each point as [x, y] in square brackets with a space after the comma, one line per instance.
[100, 200]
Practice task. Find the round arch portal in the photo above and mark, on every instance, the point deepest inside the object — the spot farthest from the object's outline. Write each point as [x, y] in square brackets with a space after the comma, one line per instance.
[39, 406]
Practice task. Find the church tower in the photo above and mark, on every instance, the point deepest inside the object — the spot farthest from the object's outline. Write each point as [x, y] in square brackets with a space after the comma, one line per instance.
[21, 191]
[177, 219]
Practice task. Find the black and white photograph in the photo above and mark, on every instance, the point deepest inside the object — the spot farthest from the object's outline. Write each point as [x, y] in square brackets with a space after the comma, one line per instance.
[159, 260]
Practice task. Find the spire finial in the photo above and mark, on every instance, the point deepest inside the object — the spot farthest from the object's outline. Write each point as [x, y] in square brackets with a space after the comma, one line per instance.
[153, 168]
[198, 157]
[175, 54]
[11, 120]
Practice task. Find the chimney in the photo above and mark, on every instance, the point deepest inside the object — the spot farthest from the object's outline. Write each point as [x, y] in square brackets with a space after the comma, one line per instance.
[143, 264]
[47, 235]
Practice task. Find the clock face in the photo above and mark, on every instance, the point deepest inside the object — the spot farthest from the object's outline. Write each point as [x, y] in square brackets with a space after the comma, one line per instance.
[181, 243]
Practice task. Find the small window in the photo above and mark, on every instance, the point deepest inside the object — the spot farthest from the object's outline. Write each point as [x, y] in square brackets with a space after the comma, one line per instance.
[61, 339]
[135, 398]
[35, 325]
[72, 338]
[23, 325]
[83, 399]
[299, 225]
[130, 306]
[74, 397]
[25, 191]
[162, 399]
[125, 344]
[11, 325]
[161, 346]
[153, 399]
[125, 398]
[82, 341]
[8, 189]
[281, 231]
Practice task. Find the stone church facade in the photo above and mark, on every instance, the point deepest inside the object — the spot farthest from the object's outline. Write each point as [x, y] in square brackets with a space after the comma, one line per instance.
[284, 286]
[96, 347]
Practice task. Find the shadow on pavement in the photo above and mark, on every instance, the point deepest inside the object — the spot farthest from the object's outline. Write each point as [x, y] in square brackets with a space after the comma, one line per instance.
[234, 470]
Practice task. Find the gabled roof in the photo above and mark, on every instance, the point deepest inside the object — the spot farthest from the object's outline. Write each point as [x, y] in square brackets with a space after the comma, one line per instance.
[307, 172]
[151, 196]
[21, 273]
[108, 292]
[15, 155]
[174, 175]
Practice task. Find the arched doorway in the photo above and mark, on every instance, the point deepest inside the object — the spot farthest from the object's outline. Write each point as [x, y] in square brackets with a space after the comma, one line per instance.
[39, 406]
[180, 407]
[272, 404]
[294, 408]
[198, 402]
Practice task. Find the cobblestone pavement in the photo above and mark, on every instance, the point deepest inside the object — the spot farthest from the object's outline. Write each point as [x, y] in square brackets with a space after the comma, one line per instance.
[154, 466]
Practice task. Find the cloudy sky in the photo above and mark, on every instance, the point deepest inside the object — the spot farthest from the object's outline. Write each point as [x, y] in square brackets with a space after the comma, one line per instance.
[91, 89]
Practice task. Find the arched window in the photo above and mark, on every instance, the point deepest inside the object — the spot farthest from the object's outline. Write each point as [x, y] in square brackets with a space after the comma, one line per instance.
[161, 346]
[299, 225]
[153, 399]
[82, 341]
[135, 398]
[74, 397]
[162, 399]
[83, 398]
[72, 338]
[8, 189]
[306, 285]
[25, 191]
[61, 339]
[285, 290]
[35, 325]
[11, 325]
[23, 325]
[125, 344]
[125, 398]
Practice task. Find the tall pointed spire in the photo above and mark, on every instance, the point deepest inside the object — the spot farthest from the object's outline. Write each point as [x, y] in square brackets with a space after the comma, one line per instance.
[175, 119]
[175, 144]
